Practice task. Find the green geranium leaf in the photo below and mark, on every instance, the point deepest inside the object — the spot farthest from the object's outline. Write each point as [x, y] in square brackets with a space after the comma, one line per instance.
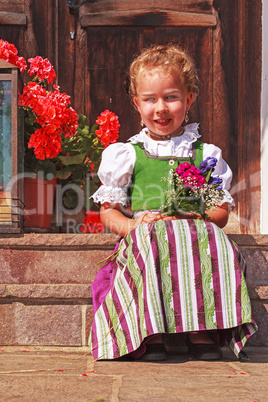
[64, 174]
[93, 187]
[94, 128]
[73, 160]
[82, 120]
[86, 143]
[70, 199]
[79, 173]
[95, 141]
[30, 119]
[84, 131]
[46, 166]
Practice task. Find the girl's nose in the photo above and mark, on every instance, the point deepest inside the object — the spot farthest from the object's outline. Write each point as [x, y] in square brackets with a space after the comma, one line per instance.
[161, 106]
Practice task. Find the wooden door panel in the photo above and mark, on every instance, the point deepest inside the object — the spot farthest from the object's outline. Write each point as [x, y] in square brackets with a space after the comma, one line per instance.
[109, 54]
[205, 6]
[148, 17]
[15, 6]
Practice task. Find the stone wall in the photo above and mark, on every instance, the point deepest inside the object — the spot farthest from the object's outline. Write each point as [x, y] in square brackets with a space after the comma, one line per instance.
[45, 295]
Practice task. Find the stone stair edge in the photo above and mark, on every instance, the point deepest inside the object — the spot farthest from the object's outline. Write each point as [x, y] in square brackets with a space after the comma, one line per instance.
[46, 291]
[55, 240]
[100, 240]
[74, 291]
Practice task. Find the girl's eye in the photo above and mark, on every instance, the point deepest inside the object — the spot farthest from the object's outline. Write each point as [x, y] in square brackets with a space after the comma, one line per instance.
[171, 97]
[149, 99]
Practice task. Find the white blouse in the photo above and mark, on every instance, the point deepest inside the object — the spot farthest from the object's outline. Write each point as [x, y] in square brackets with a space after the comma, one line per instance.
[118, 161]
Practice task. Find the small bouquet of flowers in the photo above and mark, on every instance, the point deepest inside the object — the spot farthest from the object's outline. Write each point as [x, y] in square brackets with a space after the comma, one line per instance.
[193, 189]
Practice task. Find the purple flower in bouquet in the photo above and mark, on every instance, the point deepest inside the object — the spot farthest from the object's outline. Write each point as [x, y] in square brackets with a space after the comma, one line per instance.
[208, 164]
[216, 181]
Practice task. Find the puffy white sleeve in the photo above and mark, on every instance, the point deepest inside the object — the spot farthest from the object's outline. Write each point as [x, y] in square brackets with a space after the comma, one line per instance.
[115, 173]
[222, 170]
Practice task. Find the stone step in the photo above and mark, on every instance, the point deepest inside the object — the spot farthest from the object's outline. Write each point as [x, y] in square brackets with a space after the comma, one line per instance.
[45, 294]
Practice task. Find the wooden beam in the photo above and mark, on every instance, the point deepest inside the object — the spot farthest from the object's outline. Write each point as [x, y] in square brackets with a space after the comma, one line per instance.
[6, 64]
[7, 18]
[148, 17]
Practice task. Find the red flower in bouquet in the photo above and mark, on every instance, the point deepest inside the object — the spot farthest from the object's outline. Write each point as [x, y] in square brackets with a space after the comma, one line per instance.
[190, 175]
[92, 223]
[108, 128]
[9, 53]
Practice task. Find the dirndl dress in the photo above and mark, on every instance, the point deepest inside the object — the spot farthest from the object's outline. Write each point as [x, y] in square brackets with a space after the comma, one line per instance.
[170, 277]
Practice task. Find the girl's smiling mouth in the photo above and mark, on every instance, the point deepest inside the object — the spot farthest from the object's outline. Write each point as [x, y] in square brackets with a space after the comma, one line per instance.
[162, 122]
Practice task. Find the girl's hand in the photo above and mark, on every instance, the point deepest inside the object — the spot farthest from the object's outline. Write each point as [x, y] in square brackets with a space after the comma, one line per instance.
[149, 217]
[187, 215]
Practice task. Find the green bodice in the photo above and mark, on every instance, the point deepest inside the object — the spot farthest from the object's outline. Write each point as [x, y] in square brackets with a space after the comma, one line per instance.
[147, 189]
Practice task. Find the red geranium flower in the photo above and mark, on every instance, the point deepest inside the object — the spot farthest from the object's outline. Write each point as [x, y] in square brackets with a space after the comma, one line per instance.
[51, 109]
[92, 223]
[9, 53]
[108, 128]
[42, 68]
[46, 142]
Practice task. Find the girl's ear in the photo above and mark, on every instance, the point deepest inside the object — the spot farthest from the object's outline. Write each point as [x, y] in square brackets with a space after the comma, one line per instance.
[136, 103]
[189, 99]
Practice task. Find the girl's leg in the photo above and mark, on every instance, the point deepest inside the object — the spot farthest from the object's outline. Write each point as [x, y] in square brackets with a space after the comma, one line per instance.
[204, 345]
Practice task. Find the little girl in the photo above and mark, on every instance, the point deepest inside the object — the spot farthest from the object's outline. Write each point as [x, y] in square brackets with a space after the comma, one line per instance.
[178, 274]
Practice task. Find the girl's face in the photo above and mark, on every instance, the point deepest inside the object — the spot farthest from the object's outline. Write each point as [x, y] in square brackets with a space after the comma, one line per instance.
[162, 101]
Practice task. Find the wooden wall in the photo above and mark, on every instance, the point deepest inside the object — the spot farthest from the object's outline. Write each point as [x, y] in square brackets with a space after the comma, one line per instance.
[224, 38]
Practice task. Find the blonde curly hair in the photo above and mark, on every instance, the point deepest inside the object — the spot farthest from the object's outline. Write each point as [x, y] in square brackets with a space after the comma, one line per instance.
[170, 59]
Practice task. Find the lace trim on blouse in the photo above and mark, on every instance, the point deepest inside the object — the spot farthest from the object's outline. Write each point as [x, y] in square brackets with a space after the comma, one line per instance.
[228, 198]
[113, 195]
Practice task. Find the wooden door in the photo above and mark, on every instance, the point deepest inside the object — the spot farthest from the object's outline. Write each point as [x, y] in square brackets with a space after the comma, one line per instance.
[92, 47]
[116, 31]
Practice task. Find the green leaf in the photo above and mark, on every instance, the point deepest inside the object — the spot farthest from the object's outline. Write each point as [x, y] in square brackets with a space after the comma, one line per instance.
[46, 166]
[84, 131]
[93, 187]
[70, 199]
[63, 174]
[82, 120]
[73, 160]
[30, 120]
[95, 141]
[208, 175]
[79, 173]
[94, 128]
[86, 144]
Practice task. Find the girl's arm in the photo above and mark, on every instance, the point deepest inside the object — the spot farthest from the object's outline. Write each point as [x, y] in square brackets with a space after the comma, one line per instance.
[113, 219]
[219, 215]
